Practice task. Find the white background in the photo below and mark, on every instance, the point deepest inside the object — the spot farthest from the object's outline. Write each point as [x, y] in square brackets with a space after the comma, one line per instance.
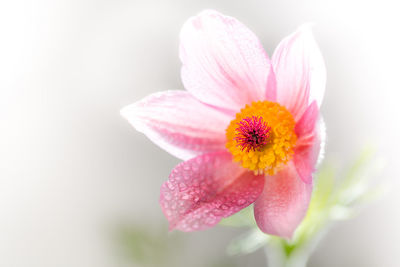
[71, 169]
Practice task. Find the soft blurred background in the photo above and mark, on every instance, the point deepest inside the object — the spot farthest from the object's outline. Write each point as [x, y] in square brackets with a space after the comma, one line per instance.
[79, 187]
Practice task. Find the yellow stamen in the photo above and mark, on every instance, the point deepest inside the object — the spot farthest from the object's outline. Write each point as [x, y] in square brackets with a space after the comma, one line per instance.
[269, 158]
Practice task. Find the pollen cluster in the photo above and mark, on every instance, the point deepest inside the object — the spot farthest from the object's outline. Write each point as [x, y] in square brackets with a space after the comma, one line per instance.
[262, 137]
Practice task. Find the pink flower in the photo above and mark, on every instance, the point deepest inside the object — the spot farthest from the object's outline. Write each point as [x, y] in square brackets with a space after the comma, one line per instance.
[247, 128]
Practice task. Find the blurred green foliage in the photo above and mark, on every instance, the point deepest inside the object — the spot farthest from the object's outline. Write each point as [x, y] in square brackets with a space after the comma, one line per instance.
[146, 246]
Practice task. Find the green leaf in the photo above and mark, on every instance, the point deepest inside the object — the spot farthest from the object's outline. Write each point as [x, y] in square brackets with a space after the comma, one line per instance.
[245, 217]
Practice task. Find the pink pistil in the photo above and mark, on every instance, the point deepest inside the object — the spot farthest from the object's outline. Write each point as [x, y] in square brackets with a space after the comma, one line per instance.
[252, 134]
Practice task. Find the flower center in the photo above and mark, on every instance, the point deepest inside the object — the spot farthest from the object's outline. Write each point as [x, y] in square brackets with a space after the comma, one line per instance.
[262, 137]
[252, 134]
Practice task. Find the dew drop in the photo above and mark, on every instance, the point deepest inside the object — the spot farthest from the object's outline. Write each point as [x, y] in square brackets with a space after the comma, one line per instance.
[241, 201]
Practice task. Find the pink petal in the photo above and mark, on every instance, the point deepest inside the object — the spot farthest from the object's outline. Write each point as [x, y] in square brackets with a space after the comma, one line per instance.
[308, 144]
[300, 71]
[205, 189]
[283, 203]
[179, 123]
[224, 63]
[306, 124]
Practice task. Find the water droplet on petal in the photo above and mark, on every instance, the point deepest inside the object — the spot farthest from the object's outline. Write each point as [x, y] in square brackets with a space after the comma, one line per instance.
[167, 196]
[241, 201]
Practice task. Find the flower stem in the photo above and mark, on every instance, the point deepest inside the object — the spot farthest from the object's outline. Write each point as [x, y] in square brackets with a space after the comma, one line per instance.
[280, 254]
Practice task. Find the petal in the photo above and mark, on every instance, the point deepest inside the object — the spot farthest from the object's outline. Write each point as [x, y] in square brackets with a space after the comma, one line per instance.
[308, 144]
[205, 189]
[306, 124]
[179, 123]
[224, 63]
[300, 71]
[283, 203]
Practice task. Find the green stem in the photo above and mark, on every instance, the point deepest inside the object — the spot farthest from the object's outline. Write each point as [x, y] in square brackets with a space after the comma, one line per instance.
[279, 256]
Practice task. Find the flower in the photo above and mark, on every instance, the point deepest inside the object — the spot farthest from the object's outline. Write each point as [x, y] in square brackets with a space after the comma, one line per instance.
[248, 128]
